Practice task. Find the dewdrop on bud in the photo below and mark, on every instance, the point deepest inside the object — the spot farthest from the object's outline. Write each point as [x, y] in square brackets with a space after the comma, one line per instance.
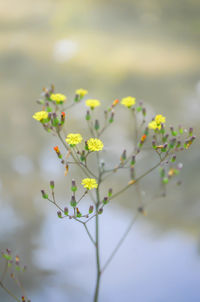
[44, 195]
[66, 211]
[73, 201]
[52, 184]
[110, 192]
[59, 214]
[91, 209]
[73, 187]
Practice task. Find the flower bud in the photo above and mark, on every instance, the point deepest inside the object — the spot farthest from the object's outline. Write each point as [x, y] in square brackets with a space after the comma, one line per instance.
[110, 192]
[165, 138]
[100, 211]
[180, 128]
[164, 148]
[86, 146]
[59, 214]
[172, 143]
[66, 211]
[82, 157]
[73, 187]
[105, 200]
[165, 180]
[91, 209]
[144, 111]
[154, 144]
[96, 125]
[178, 144]
[190, 131]
[44, 195]
[133, 160]
[111, 119]
[78, 213]
[88, 116]
[52, 184]
[73, 202]
[173, 159]
[123, 156]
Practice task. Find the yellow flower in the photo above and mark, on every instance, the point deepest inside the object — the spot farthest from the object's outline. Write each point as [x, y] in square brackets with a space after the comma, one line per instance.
[153, 125]
[92, 103]
[156, 123]
[89, 183]
[95, 144]
[74, 139]
[41, 115]
[160, 119]
[59, 98]
[129, 101]
[81, 92]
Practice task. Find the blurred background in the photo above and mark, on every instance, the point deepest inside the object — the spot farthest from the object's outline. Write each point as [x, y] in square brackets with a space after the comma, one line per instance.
[114, 48]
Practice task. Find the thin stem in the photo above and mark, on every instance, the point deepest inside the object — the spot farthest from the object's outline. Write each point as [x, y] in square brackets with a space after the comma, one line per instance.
[119, 243]
[4, 271]
[89, 234]
[9, 292]
[96, 295]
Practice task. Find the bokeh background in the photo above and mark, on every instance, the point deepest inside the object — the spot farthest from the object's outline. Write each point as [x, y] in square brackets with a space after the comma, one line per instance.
[147, 49]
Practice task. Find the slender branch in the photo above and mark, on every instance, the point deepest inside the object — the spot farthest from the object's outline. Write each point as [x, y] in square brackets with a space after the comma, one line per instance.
[4, 271]
[89, 234]
[119, 243]
[9, 292]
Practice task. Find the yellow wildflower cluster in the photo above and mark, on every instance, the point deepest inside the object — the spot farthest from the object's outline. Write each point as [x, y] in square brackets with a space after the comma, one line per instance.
[41, 115]
[94, 144]
[59, 98]
[92, 103]
[81, 92]
[89, 183]
[74, 139]
[156, 123]
[128, 102]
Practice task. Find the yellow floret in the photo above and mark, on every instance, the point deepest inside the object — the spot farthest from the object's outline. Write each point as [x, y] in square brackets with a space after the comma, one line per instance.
[41, 115]
[74, 139]
[92, 103]
[160, 119]
[59, 98]
[89, 183]
[129, 101]
[153, 125]
[81, 92]
[95, 144]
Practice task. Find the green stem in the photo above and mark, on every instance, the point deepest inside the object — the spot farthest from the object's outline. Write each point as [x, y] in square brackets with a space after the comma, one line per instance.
[98, 269]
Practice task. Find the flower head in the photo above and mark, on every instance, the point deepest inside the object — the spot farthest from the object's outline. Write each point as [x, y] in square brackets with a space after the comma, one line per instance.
[89, 183]
[41, 115]
[81, 92]
[59, 98]
[160, 119]
[74, 139]
[94, 144]
[92, 103]
[156, 123]
[128, 102]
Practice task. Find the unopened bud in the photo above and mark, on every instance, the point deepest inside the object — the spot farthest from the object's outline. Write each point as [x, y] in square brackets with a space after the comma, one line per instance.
[91, 209]
[180, 128]
[190, 131]
[59, 214]
[165, 180]
[173, 159]
[123, 156]
[154, 144]
[165, 138]
[111, 119]
[172, 143]
[44, 195]
[133, 160]
[110, 192]
[52, 184]
[96, 125]
[100, 211]
[105, 200]
[73, 201]
[73, 187]
[144, 111]
[88, 116]
[66, 211]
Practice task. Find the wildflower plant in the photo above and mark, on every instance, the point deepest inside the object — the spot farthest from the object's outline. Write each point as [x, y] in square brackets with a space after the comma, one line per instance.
[12, 269]
[165, 141]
